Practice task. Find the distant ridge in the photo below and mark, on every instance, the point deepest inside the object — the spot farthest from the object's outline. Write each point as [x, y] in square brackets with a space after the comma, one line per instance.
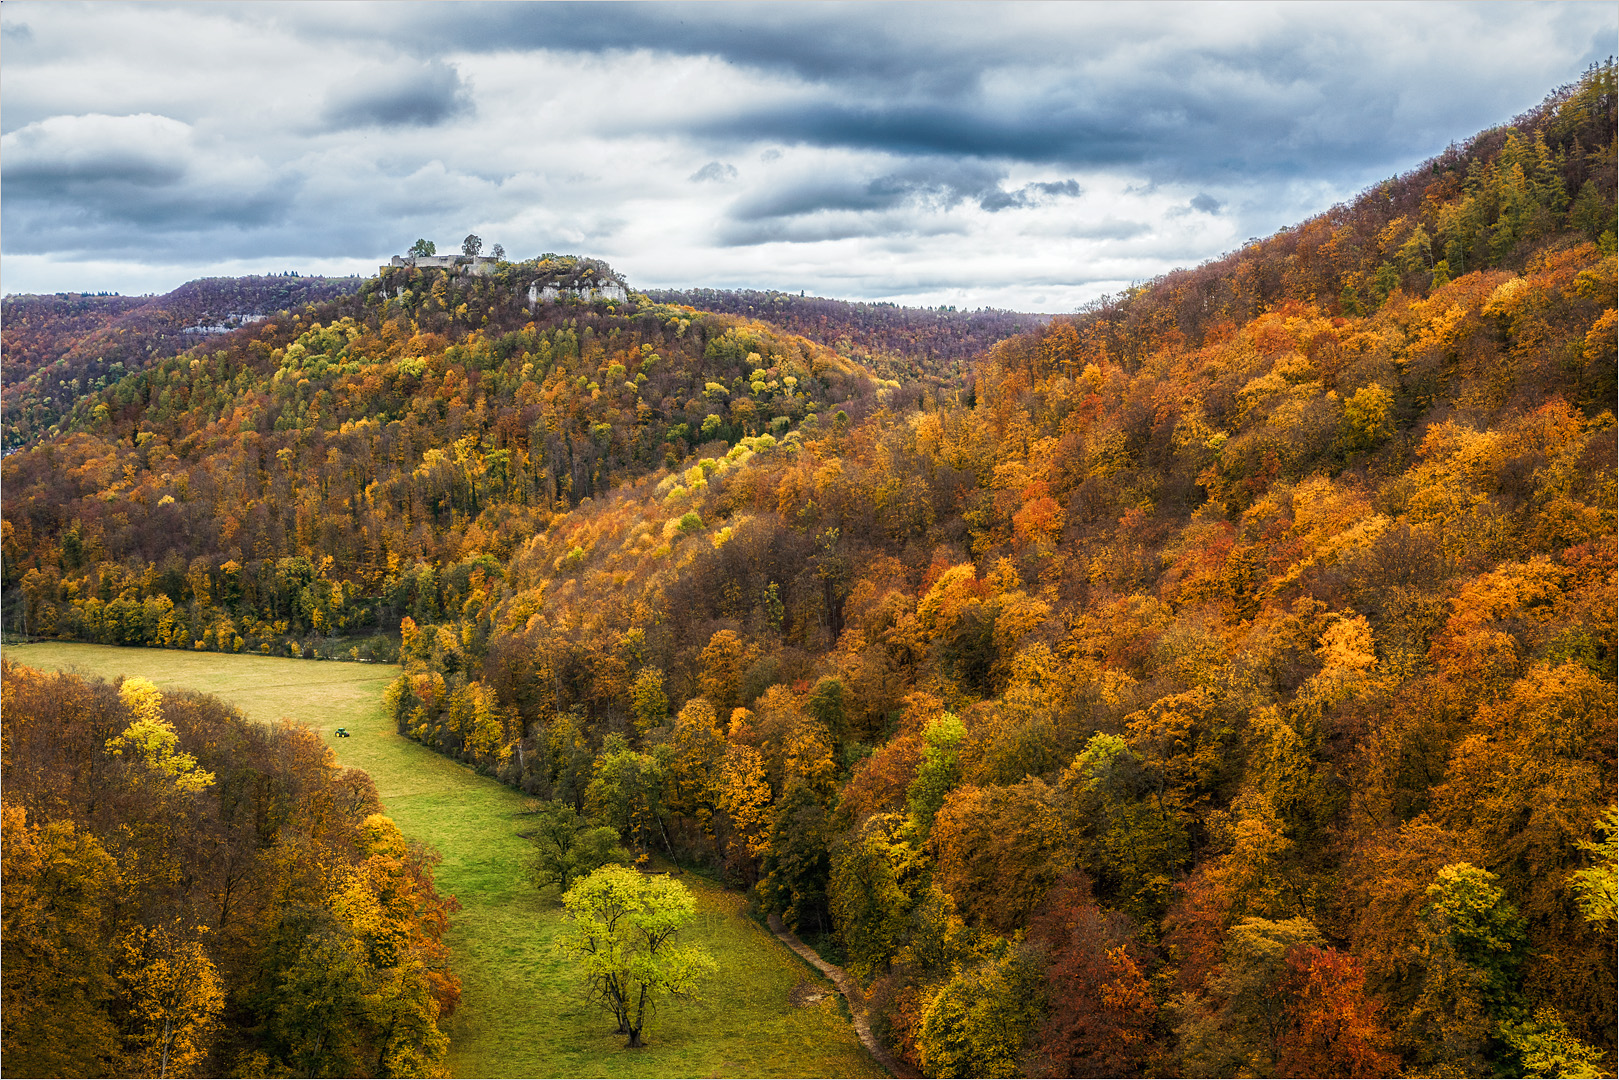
[59, 346]
[896, 340]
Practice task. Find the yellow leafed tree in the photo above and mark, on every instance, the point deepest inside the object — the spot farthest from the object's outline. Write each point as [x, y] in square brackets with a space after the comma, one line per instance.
[176, 997]
[151, 739]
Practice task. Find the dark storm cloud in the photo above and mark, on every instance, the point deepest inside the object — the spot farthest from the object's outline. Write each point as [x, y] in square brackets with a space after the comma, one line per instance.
[43, 160]
[844, 193]
[935, 129]
[935, 183]
[126, 183]
[907, 202]
[1054, 188]
[1169, 133]
[1170, 90]
[412, 96]
[1031, 195]
[40, 176]
[813, 42]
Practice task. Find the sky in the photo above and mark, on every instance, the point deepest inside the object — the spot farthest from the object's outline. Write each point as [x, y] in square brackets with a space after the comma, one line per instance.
[1027, 157]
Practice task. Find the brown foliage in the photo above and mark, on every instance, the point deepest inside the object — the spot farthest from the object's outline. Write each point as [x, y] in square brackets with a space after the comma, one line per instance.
[1102, 1006]
[135, 884]
[999, 850]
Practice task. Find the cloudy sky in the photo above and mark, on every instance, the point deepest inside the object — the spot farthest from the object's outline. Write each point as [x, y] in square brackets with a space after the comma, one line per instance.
[1026, 157]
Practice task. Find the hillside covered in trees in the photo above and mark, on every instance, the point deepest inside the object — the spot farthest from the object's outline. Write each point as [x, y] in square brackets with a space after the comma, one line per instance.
[189, 893]
[380, 456]
[911, 343]
[58, 348]
[1220, 683]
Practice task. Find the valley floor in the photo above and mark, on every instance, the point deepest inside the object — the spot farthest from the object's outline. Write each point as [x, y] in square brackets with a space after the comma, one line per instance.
[519, 1015]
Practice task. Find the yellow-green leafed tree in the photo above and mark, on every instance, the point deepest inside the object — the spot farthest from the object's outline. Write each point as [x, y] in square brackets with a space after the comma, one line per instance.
[977, 1024]
[624, 925]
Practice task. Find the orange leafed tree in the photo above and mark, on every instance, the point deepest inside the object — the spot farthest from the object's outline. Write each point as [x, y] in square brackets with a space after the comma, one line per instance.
[1334, 1028]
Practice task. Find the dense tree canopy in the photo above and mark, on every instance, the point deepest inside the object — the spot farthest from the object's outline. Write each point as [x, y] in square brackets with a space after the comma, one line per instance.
[1218, 680]
[58, 348]
[188, 893]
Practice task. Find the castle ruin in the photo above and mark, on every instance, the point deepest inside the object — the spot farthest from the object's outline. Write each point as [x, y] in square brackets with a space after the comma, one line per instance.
[477, 265]
[563, 278]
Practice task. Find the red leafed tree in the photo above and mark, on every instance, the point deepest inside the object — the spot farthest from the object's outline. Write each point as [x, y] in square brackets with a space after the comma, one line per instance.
[1102, 1008]
[1332, 1023]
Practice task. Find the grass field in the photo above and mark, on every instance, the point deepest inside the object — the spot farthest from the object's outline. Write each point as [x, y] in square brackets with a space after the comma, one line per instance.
[519, 1015]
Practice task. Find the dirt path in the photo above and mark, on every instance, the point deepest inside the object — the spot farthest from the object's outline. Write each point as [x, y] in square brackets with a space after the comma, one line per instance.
[851, 993]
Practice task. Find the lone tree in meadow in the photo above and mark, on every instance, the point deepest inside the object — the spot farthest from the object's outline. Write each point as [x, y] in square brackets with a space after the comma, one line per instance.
[622, 937]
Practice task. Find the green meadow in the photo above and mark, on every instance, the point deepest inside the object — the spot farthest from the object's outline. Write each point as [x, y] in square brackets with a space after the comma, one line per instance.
[520, 1015]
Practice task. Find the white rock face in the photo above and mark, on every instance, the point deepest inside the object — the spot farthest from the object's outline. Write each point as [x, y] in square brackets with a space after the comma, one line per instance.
[224, 325]
[550, 294]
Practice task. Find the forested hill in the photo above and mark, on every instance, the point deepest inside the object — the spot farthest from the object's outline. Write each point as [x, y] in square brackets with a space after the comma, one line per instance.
[59, 347]
[1223, 685]
[902, 342]
[335, 469]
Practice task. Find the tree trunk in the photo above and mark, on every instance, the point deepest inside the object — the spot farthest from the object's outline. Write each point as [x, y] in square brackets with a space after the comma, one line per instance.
[640, 1019]
[621, 1009]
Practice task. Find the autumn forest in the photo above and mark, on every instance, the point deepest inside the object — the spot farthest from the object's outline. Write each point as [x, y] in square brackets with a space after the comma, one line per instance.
[1216, 681]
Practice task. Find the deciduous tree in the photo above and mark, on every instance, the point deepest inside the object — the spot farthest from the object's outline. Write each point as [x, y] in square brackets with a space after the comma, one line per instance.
[1240, 1024]
[999, 850]
[977, 1022]
[1333, 1026]
[622, 935]
[1102, 1009]
[569, 848]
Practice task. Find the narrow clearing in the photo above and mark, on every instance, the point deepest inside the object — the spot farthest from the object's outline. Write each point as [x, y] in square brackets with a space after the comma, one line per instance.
[520, 1015]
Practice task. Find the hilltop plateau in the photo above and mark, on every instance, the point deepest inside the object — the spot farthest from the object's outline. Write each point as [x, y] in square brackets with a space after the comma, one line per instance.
[58, 348]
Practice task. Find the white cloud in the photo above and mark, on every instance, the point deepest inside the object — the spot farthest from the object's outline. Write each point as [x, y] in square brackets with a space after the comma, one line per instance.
[951, 154]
